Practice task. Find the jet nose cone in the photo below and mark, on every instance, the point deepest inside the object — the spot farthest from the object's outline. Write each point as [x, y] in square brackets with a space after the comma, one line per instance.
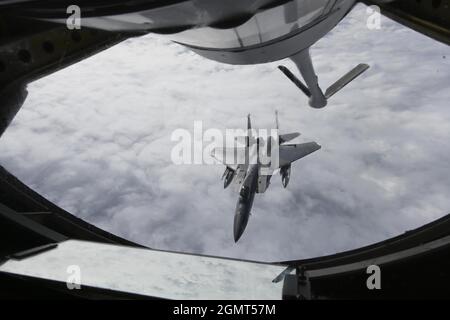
[240, 223]
[237, 234]
[237, 228]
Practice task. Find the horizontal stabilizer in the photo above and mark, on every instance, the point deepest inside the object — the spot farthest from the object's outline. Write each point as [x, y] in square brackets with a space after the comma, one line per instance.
[346, 79]
[288, 137]
[295, 80]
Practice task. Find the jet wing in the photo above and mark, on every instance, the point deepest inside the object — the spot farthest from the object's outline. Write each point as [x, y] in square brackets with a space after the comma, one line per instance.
[292, 152]
[231, 157]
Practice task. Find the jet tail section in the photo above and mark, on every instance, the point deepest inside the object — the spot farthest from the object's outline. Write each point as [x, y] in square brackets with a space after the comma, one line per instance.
[288, 137]
[249, 128]
[282, 138]
[277, 124]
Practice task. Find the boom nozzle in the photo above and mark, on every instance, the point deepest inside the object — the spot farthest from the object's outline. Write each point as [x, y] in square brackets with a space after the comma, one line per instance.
[317, 99]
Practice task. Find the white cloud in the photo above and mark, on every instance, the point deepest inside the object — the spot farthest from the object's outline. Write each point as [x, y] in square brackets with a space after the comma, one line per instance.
[95, 139]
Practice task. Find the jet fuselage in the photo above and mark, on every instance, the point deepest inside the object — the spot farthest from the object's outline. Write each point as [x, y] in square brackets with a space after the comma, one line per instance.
[245, 201]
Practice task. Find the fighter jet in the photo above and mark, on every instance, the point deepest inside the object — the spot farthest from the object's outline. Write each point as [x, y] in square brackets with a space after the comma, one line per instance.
[251, 170]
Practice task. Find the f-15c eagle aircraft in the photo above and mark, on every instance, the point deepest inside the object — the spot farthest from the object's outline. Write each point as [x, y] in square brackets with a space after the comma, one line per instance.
[251, 167]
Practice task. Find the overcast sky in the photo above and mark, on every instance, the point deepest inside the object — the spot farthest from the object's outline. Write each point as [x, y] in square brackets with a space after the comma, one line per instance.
[95, 139]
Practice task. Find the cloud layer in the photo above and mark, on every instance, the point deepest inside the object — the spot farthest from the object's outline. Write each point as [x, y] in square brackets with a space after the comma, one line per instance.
[95, 139]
